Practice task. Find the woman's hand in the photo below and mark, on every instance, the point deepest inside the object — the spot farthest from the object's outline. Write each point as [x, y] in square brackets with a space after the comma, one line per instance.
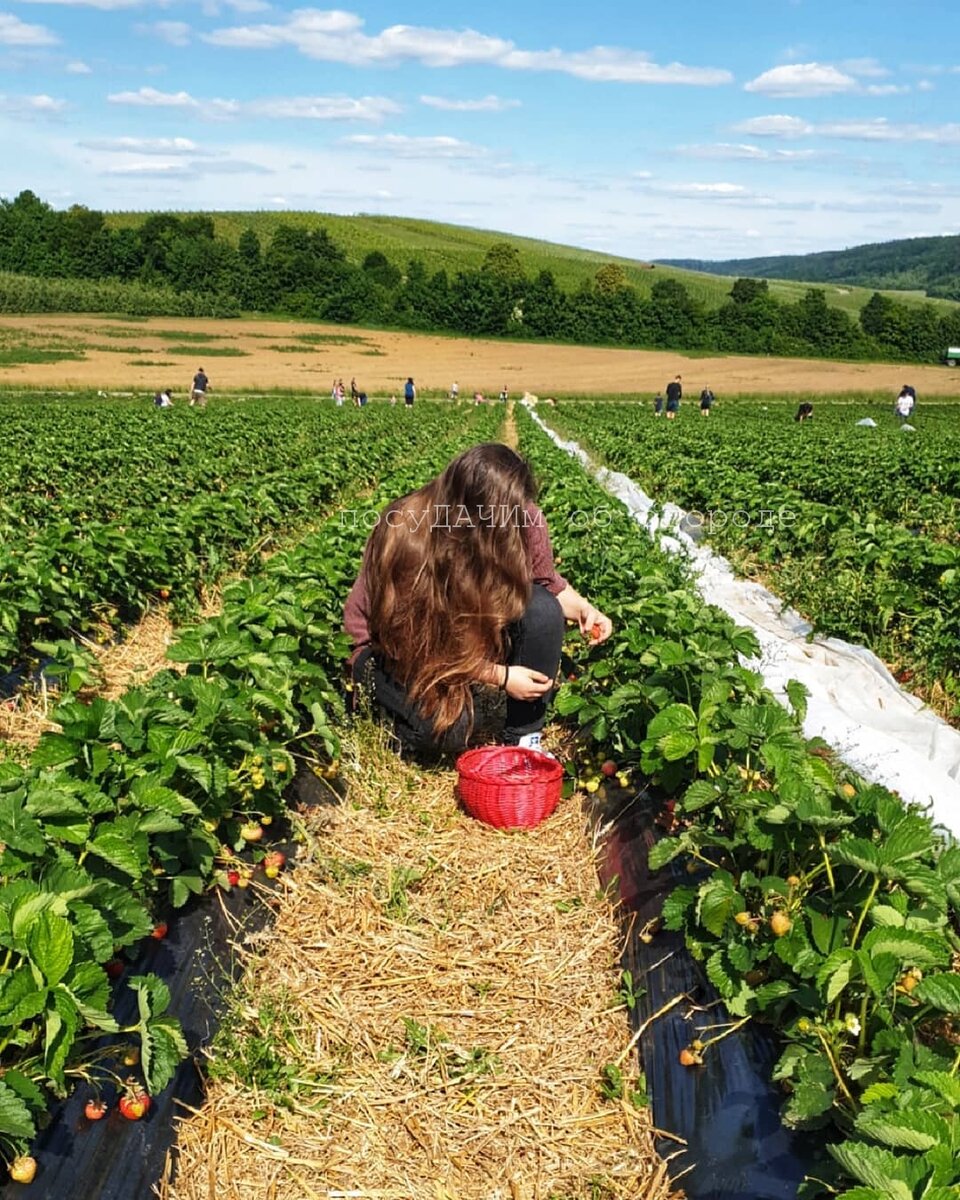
[526, 684]
[576, 608]
[594, 624]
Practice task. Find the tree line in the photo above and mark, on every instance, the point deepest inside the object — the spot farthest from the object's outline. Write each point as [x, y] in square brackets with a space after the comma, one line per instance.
[930, 264]
[302, 272]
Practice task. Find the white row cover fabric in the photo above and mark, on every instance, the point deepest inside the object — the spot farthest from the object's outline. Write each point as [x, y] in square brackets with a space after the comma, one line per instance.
[855, 704]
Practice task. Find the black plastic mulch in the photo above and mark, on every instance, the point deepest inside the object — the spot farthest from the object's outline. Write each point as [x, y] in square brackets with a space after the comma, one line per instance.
[728, 1110]
[117, 1159]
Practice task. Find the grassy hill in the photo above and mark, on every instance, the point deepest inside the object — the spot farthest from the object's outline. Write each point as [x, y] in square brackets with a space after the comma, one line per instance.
[455, 247]
[928, 265]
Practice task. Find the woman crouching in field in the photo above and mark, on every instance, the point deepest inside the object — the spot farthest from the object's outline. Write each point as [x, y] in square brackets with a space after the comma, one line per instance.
[457, 600]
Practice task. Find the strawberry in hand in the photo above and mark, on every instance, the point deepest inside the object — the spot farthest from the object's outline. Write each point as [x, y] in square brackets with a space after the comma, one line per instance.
[594, 625]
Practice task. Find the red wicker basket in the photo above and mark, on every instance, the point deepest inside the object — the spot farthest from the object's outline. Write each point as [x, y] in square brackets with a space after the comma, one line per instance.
[510, 787]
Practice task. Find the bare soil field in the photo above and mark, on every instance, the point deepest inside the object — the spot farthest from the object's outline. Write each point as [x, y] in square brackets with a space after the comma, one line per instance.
[124, 354]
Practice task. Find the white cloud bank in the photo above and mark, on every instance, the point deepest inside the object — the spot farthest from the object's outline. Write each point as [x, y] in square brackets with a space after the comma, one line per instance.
[14, 32]
[402, 146]
[722, 191]
[877, 129]
[138, 145]
[484, 104]
[32, 106]
[802, 79]
[185, 170]
[743, 151]
[338, 36]
[303, 108]
[812, 79]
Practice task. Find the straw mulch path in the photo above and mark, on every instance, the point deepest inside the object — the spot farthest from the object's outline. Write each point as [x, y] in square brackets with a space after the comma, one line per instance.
[128, 661]
[455, 1000]
[124, 663]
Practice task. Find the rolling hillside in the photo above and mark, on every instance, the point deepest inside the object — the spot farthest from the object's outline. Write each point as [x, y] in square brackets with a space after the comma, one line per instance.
[928, 265]
[455, 247]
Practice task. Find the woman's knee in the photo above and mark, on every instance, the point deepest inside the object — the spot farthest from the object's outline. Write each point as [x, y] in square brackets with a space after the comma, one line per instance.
[544, 613]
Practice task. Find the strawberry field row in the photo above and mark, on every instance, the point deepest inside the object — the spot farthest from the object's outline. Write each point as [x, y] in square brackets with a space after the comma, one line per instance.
[138, 804]
[822, 907]
[111, 506]
[818, 906]
[856, 528]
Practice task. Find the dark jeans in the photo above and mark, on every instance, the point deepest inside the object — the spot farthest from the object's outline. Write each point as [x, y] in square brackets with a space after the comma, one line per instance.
[534, 641]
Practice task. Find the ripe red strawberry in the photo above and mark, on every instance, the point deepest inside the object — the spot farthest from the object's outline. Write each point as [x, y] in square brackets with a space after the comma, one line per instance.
[132, 1107]
[135, 1102]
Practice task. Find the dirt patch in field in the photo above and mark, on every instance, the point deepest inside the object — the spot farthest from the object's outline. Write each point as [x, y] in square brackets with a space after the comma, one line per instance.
[303, 356]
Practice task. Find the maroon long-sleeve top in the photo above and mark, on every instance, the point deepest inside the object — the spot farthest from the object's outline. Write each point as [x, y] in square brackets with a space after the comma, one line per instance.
[536, 539]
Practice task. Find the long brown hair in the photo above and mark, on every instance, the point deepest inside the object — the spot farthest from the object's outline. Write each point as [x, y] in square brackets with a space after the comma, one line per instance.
[447, 572]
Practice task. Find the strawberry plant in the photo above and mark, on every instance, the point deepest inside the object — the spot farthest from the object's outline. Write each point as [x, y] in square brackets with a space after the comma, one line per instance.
[855, 528]
[123, 810]
[116, 507]
[822, 907]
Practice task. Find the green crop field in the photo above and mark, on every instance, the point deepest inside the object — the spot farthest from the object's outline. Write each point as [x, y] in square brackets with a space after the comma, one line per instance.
[869, 551]
[820, 906]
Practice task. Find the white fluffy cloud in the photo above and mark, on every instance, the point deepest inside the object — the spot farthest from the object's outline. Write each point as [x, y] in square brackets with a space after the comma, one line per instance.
[402, 146]
[882, 130]
[880, 206]
[78, 68]
[32, 106]
[876, 129]
[148, 97]
[14, 32]
[337, 36]
[743, 151]
[484, 104]
[610, 64]
[138, 145]
[802, 79]
[774, 126]
[323, 108]
[310, 108]
[146, 170]
[709, 191]
[186, 170]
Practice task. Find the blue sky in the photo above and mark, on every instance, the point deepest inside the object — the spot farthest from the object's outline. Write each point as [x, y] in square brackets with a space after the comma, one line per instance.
[667, 129]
